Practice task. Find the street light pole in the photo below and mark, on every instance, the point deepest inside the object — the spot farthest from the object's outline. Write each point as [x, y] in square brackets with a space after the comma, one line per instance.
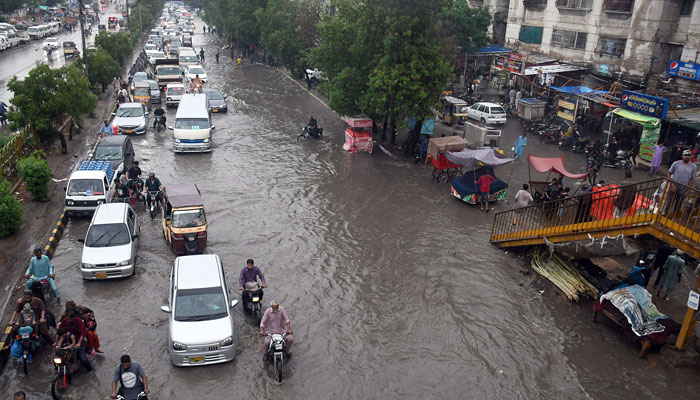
[140, 23]
[82, 35]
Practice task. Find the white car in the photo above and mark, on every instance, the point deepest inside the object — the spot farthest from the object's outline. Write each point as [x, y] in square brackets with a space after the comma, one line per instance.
[193, 70]
[51, 43]
[314, 73]
[156, 55]
[150, 48]
[109, 247]
[173, 93]
[489, 113]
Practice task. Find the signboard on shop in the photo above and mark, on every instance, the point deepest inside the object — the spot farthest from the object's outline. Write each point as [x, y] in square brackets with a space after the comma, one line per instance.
[512, 63]
[644, 104]
[685, 70]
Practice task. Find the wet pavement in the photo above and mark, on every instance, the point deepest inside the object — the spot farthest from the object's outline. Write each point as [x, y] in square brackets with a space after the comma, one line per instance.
[391, 285]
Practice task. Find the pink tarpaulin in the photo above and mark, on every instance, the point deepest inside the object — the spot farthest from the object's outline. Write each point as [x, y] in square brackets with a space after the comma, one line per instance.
[555, 165]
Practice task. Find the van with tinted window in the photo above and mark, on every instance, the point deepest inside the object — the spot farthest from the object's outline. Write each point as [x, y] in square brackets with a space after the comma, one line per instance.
[192, 129]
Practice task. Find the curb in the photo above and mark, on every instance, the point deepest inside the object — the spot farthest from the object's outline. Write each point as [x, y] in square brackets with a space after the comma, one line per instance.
[56, 234]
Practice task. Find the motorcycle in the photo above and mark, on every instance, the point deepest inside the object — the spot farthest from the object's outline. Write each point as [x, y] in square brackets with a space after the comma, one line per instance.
[141, 396]
[154, 204]
[276, 350]
[64, 364]
[550, 135]
[160, 125]
[254, 306]
[314, 133]
[30, 343]
[40, 288]
[137, 191]
[613, 161]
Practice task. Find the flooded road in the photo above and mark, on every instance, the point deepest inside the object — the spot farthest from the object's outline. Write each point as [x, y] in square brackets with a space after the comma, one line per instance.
[391, 285]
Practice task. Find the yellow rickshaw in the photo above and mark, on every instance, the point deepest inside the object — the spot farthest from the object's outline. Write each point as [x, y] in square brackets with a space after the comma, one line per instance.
[141, 93]
[453, 111]
[184, 219]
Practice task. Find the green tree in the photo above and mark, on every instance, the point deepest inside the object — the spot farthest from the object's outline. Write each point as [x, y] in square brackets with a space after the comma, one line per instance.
[469, 25]
[37, 173]
[279, 33]
[116, 45]
[10, 5]
[102, 68]
[48, 96]
[10, 210]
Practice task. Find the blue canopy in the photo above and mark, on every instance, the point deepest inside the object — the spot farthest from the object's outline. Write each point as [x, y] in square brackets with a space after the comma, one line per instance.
[585, 90]
[494, 49]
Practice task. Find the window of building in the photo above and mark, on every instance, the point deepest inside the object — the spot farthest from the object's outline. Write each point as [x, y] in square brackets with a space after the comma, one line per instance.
[535, 3]
[530, 34]
[574, 4]
[569, 39]
[687, 7]
[618, 5]
[610, 46]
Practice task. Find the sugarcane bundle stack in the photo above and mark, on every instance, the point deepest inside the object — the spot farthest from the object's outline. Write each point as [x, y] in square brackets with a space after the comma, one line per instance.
[562, 274]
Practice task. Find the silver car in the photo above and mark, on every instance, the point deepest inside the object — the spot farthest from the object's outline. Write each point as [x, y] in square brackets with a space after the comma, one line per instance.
[109, 247]
[201, 328]
[131, 118]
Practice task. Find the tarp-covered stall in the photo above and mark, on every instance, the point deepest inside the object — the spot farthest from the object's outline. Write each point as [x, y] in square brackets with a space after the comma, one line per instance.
[480, 161]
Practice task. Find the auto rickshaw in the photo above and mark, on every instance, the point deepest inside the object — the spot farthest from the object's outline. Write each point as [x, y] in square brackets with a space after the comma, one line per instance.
[453, 111]
[141, 93]
[184, 220]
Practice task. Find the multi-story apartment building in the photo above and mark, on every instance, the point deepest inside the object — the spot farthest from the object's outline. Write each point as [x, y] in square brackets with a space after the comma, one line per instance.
[629, 39]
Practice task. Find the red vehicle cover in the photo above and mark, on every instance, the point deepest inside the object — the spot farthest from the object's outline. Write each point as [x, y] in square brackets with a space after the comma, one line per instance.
[555, 165]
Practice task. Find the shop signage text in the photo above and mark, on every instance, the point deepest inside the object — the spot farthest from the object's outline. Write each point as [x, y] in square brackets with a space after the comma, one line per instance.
[684, 70]
[644, 104]
[512, 63]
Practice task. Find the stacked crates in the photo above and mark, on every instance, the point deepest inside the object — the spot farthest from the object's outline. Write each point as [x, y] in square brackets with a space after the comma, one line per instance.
[94, 165]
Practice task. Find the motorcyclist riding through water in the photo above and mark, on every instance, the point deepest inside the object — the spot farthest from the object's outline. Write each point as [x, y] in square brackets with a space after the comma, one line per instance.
[40, 268]
[160, 117]
[153, 185]
[249, 280]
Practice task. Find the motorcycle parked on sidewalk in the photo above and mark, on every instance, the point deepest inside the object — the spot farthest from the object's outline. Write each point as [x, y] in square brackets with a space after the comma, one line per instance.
[550, 135]
[275, 353]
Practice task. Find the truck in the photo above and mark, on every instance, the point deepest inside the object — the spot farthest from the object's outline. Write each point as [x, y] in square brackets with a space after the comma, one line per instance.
[166, 71]
[89, 186]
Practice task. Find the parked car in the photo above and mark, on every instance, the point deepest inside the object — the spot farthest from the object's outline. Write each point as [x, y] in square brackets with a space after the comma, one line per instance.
[118, 150]
[131, 118]
[193, 70]
[489, 113]
[109, 247]
[215, 100]
[201, 330]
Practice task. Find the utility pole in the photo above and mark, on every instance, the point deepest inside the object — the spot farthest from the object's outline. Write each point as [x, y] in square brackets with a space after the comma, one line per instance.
[140, 23]
[82, 36]
[127, 11]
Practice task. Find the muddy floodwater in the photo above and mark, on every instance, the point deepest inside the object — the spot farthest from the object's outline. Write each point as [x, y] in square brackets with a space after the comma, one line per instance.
[391, 284]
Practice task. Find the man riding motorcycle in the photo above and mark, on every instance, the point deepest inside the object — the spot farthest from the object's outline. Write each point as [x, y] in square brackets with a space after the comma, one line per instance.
[133, 175]
[39, 314]
[121, 189]
[160, 115]
[275, 321]
[153, 185]
[249, 280]
[40, 268]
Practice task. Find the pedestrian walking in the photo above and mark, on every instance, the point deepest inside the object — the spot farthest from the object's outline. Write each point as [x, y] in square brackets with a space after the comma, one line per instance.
[682, 172]
[484, 185]
[673, 270]
[204, 29]
[201, 54]
[518, 96]
[522, 199]
[659, 261]
[131, 377]
[519, 146]
[659, 150]
[217, 56]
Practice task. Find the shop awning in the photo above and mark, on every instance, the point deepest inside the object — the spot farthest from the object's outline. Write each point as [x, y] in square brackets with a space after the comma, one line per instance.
[493, 50]
[555, 165]
[690, 117]
[577, 90]
[552, 69]
[631, 115]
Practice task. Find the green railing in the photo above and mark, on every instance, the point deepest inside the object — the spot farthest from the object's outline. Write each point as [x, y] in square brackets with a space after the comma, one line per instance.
[21, 145]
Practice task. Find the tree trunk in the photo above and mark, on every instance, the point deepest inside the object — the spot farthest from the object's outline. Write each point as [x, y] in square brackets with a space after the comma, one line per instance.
[413, 138]
[384, 127]
[64, 144]
[374, 127]
[393, 130]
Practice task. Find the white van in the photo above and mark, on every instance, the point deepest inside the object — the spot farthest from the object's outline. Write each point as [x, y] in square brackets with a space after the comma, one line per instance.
[12, 38]
[54, 27]
[45, 30]
[192, 130]
[3, 42]
[34, 32]
[186, 56]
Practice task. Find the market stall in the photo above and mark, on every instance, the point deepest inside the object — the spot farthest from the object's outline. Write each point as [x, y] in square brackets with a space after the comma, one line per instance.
[443, 169]
[548, 165]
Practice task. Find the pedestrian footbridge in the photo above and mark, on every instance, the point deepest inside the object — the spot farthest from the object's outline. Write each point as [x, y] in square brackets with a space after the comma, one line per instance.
[658, 207]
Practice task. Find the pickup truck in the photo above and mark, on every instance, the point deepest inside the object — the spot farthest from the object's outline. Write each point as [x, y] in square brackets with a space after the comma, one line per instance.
[166, 71]
[89, 186]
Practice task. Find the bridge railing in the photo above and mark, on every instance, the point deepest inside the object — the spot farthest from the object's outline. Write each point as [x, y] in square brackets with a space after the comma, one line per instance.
[660, 202]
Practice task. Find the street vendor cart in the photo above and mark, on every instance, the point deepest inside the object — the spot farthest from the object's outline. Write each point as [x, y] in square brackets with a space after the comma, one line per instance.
[548, 165]
[358, 134]
[480, 162]
[443, 169]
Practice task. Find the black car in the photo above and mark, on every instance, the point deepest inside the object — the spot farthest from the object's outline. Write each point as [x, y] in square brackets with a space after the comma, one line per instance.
[118, 150]
[215, 100]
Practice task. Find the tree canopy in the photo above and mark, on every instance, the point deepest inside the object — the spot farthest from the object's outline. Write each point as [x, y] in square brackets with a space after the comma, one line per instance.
[48, 96]
[102, 68]
[116, 44]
